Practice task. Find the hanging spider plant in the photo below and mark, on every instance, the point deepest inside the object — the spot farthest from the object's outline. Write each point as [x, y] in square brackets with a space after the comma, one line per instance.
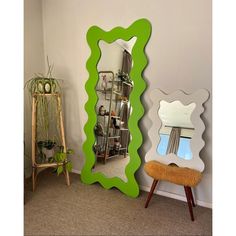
[48, 133]
[43, 84]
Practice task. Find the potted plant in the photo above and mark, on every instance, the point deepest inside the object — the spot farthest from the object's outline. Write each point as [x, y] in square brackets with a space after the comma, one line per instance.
[47, 145]
[61, 157]
[43, 84]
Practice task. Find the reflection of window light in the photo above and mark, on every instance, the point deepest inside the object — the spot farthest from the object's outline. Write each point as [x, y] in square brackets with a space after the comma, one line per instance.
[184, 150]
[162, 147]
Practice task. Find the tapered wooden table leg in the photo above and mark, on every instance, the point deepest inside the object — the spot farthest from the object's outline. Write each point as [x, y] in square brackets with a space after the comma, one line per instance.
[154, 184]
[191, 195]
[189, 202]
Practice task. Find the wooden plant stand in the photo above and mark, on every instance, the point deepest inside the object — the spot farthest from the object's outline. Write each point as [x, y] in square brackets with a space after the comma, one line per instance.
[35, 165]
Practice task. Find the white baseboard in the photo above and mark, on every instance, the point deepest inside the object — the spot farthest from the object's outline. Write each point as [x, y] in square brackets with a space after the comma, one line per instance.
[165, 194]
[76, 171]
[176, 196]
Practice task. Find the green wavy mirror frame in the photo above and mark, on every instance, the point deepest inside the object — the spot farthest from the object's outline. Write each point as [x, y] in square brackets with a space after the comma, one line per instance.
[142, 30]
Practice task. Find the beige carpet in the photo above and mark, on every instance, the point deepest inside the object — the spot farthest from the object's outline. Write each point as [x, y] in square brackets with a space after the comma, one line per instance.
[55, 209]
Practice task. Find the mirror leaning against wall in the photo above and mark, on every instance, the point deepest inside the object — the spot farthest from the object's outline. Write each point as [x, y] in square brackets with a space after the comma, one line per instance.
[177, 128]
[114, 108]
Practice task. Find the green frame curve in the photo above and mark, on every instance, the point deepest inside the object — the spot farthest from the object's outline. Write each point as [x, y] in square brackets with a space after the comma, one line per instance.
[142, 30]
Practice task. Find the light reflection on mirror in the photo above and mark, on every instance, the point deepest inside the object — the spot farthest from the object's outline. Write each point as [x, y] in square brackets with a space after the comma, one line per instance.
[177, 129]
[113, 108]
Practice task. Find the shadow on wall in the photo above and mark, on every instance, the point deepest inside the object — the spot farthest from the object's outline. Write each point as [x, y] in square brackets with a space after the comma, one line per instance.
[72, 117]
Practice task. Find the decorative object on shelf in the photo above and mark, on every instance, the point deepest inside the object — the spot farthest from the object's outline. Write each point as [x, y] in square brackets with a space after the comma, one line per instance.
[117, 145]
[99, 131]
[141, 30]
[104, 82]
[116, 122]
[102, 110]
[97, 148]
[113, 113]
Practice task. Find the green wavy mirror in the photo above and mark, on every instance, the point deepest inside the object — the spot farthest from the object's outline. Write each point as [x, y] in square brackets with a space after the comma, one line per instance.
[114, 88]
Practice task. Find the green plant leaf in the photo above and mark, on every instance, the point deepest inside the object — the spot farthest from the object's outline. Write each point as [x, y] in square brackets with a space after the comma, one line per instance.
[59, 170]
[50, 159]
[57, 157]
[63, 156]
[69, 166]
[70, 151]
[60, 156]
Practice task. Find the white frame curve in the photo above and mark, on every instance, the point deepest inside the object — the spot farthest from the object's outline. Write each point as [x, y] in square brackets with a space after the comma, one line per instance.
[197, 143]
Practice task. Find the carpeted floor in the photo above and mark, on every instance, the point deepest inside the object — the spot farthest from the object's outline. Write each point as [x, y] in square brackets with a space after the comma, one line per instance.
[55, 209]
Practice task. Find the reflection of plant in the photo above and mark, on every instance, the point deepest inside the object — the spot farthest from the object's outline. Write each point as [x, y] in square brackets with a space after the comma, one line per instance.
[123, 76]
[60, 157]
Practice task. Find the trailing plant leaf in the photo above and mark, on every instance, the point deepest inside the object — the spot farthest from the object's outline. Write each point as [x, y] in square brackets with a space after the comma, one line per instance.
[47, 122]
[70, 151]
[57, 157]
[50, 159]
[59, 170]
[63, 156]
[60, 157]
[69, 166]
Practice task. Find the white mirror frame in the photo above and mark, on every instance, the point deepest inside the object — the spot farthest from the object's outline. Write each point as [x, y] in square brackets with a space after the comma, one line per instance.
[197, 143]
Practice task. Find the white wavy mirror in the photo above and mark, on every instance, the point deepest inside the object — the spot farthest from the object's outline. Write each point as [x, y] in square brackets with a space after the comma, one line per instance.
[176, 131]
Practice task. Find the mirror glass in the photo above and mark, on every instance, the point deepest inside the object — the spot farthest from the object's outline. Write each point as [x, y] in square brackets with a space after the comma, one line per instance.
[177, 130]
[113, 108]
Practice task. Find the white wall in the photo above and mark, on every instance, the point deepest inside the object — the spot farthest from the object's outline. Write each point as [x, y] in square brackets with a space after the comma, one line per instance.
[179, 53]
[33, 63]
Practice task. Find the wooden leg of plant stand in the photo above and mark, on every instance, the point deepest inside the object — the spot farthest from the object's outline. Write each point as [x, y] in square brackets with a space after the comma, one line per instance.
[34, 177]
[67, 176]
[154, 184]
[189, 202]
[63, 136]
[34, 170]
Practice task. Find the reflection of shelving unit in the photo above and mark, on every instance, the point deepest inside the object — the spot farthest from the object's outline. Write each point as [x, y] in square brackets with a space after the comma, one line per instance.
[111, 96]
